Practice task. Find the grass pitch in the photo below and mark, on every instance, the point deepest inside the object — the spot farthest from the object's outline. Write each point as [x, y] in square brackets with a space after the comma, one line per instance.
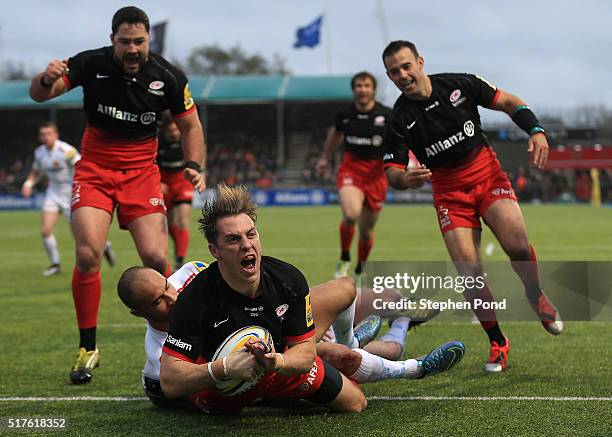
[38, 339]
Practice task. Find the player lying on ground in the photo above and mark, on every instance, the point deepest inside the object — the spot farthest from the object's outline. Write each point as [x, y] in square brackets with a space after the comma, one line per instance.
[56, 160]
[437, 118]
[244, 288]
[148, 294]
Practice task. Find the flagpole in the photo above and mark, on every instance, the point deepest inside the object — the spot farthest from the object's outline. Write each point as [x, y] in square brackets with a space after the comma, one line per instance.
[328, 43]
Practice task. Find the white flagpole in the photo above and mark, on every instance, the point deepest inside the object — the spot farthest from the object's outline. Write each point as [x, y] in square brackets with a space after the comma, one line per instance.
[328, 42]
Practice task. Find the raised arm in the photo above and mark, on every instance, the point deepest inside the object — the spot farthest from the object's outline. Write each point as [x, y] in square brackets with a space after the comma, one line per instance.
[49, 83]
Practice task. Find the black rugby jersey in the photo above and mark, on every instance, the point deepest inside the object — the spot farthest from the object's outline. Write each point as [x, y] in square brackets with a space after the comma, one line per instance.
[443, 129]
[170, 155]
[209, 310]
[363, 131]
[129, 107]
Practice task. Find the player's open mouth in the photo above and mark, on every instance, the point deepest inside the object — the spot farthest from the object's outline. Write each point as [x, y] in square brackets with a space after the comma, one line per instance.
[248, 263]
[406, 83]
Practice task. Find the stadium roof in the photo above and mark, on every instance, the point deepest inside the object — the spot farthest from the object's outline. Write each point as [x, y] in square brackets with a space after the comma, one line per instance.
[212, 90]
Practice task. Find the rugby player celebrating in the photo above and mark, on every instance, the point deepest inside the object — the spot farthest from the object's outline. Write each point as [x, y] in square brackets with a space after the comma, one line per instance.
[126, 88]
[362, 185]
[436, 118]
[243, 288]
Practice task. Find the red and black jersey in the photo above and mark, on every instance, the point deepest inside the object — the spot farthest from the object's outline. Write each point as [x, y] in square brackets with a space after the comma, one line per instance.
[363, 131]
[209, 310]
[170, 155]
[444, 129]
[123, 110]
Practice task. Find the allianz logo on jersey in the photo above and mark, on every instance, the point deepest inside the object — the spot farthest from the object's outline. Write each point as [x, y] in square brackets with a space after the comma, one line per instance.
[375, 141]
[178, 343]
[144, 118]
[442, 145]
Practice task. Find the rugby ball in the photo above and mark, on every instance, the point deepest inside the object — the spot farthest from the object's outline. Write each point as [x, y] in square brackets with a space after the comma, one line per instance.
[232, 343]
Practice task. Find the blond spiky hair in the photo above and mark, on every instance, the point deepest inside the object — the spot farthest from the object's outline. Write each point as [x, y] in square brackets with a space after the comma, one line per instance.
[225, 202]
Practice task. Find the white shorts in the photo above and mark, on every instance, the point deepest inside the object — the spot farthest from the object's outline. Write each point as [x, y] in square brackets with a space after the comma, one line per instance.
[55, 202]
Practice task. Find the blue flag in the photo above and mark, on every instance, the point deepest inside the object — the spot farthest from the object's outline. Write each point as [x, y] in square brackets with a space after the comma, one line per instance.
[309, 36]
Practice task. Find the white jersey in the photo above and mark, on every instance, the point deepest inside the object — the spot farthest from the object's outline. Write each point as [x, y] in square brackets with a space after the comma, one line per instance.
[58, 164]
[154, 339]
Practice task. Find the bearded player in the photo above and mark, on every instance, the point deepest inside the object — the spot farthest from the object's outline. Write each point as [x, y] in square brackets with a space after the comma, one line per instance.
[126, 89]
[437, 118]
[362, 185]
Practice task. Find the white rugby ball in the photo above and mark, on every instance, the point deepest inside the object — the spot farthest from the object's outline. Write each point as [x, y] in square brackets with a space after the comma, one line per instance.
[232, 343]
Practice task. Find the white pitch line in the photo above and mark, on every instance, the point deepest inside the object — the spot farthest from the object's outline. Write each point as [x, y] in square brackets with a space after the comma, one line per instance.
[488, 398]
[371, 398]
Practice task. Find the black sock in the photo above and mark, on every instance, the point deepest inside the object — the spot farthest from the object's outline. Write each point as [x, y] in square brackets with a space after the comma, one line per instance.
[495, 335]
[345, 255]
[88, 338]
[358, 269]
[179, 261]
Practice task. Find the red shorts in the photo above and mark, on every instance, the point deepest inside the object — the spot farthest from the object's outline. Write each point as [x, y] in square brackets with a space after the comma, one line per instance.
[272, 385]
[135, 192]
[463, 208]
[366, 175]
[177, 190]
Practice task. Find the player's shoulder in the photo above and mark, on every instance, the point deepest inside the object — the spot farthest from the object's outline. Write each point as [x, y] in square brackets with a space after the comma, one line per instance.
[99, 54]
[283, 271]
[347, 111]
[381, 109]
[452, 79]
[188, 271]
[64, 147]
[165, 68]
[39, 151]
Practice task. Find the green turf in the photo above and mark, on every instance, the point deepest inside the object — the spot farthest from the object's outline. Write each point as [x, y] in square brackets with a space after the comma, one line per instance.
[38, 338]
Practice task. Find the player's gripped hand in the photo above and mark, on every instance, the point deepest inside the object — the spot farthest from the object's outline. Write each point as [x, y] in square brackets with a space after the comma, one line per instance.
[263, 352]
[538, 148]
[242, 365]
[197, 179]
[321, 166]
[55, 70]
[416, 177]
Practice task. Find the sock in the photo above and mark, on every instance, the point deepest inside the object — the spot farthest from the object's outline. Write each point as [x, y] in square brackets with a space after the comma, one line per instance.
[51, 249]
[86, 291]
[346, 238]
[343, 327]
[528, 272]
[181, 240]
[88, 338]
[374, 368]
[168, 271]
[495, 334]
[364, 248]
[486, 317]
[397, 333]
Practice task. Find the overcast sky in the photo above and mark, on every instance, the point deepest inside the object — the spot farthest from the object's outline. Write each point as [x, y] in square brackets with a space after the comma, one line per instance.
[554, 54]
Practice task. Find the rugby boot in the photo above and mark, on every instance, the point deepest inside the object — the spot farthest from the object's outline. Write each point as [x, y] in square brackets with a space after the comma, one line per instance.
[498, 357]
[442, 358]
[548, 315]
[86, 361]
[367, 330]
